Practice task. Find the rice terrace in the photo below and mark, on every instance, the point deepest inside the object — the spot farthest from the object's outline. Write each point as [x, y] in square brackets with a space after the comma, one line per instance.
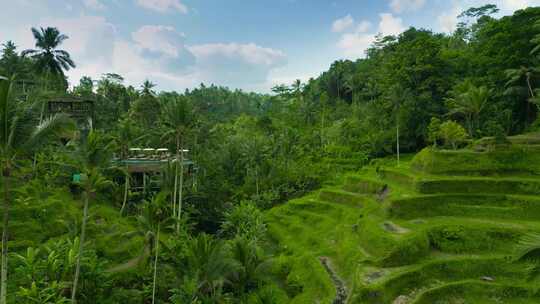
[269, 152]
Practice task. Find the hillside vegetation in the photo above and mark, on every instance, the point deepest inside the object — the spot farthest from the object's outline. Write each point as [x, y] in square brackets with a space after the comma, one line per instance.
[112, 193]
[442, 227]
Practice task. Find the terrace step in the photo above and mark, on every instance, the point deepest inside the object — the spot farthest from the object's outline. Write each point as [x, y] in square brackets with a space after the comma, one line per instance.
[342, 197]
[391, 283]
[362, 185]
[467, 291]
[316, 205]
[470, 205]
[471, 185]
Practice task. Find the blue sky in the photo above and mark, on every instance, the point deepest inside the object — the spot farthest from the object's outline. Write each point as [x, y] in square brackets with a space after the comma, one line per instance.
[252, 45]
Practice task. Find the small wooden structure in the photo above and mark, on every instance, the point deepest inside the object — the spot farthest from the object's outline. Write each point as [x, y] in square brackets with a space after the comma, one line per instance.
[75, 108]
[145, 166]
[82, 110]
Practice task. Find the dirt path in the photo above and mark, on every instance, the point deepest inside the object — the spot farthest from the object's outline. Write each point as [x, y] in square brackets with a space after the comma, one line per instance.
[341, 290]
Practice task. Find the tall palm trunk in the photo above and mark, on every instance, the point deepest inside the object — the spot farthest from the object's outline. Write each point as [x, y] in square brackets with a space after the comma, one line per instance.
[470, 124]
[530, 86]
[397, 140]
[155, 266]
[3, 279]
[180, 188]
[531, 92]
[41, 117]
[176, 174]
[81, 246]
[322, 126]
[126, 192]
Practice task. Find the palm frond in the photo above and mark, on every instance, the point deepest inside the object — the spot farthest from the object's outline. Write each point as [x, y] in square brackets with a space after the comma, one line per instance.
[55, 126]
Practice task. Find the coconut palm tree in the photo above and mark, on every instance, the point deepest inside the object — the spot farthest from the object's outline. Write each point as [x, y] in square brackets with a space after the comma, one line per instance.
[146, 88]
[397, 95]
[178, 118]
[297, 88]
[19, 137]
[470, 101]
[125, 136]
[92, 157]
[48, 58]
[150, 221]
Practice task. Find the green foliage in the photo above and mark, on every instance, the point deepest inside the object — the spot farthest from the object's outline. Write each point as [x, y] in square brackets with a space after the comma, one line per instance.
[268, 149]
[452, 134]
[43, 274]
[469, 101]
[433, 130]
[244, 220]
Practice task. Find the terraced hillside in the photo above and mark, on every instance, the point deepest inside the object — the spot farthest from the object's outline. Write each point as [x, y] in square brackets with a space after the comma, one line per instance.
[440, 228]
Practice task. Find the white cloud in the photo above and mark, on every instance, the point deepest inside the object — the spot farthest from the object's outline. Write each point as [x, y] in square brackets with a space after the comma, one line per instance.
[90, 37]
[354, 44]
[160, 39]
[234, 63]
[390, 25]
[363, 26]
[514, 5]
[164, 6]
[94, 4]
[400, 6]
[448, 20]
[342, 24]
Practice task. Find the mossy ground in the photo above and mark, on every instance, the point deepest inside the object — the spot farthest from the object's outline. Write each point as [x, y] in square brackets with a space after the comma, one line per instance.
[439, 228]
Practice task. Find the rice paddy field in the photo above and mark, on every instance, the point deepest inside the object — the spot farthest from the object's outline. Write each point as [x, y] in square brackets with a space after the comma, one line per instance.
[440, 227]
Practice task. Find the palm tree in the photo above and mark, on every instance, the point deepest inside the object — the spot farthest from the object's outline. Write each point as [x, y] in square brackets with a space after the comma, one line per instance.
[520, 75]
[49, 60]
[208, 262]
[92, 156]
[178, 118]
[397, 95]
[124, 138]
[252, 265]
[146, 88]
[10, 62]
[149, 226]
[469, 101]
[19, 137]
[297, 88]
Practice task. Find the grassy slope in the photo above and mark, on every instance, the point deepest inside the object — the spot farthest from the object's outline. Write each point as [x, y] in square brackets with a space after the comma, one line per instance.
[437, 234]
[39, 215]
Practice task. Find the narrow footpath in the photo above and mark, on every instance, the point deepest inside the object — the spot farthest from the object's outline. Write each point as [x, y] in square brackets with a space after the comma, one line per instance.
[341, 290]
